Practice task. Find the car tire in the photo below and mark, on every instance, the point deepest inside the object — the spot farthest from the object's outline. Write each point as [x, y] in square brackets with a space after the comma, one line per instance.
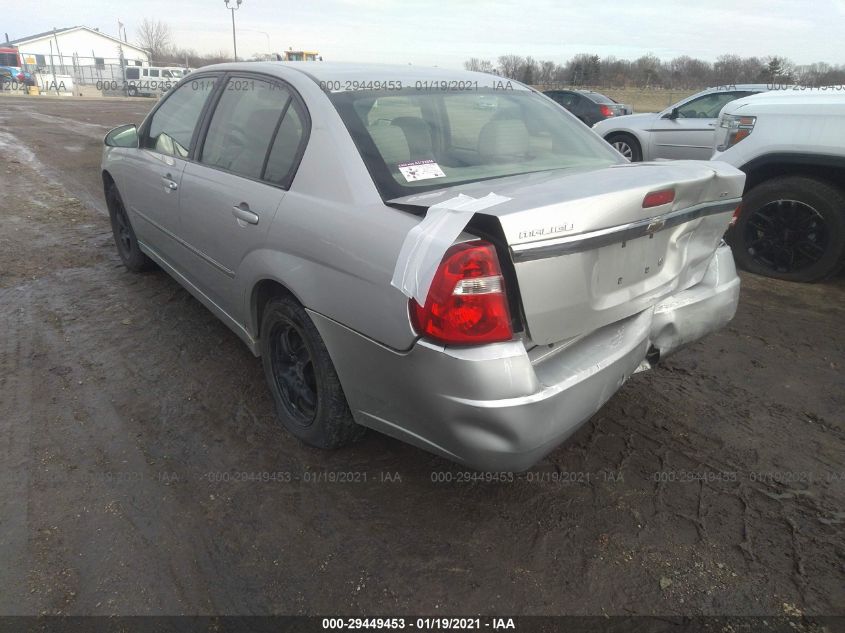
[132, 91]
[306, 389]
[791, 228]
[626, 145]
[124, 235]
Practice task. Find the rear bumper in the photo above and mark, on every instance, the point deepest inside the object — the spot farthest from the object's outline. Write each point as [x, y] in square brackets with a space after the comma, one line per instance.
[502, 408]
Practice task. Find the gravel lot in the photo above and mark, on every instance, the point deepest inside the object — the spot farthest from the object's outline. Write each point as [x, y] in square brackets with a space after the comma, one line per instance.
[142, 471]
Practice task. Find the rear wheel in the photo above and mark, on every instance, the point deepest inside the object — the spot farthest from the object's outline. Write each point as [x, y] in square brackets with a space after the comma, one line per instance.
[132, 91]
[791, 228]
[124, 235]
[306, 389]
[626, 145]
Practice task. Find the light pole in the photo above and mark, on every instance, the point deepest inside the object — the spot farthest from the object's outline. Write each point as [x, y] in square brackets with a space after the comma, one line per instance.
[236, 4]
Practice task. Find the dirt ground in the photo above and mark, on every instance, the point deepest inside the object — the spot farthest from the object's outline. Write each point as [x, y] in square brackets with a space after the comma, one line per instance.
[142, 471]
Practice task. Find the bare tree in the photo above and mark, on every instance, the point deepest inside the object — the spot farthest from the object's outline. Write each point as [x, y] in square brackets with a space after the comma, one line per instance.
[510, 66]
[155, 37]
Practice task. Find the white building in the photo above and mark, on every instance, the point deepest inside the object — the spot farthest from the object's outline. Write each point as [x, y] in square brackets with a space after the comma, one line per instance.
[67, 50]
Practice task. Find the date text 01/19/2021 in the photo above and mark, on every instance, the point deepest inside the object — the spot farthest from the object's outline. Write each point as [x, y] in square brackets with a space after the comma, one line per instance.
[422, 623]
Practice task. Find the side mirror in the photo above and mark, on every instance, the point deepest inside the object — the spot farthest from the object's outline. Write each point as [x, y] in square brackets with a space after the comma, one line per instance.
[674, 114]
[123, 136]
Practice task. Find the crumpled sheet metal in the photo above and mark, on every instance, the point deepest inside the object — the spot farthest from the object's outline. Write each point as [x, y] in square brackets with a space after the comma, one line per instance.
[424, 246]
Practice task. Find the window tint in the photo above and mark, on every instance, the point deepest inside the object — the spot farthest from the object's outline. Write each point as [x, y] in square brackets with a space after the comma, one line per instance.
[285, 147]
[154, 73]
[132, 73]
[243, 124]
[173, 124]
[708, 106]
[598, 98]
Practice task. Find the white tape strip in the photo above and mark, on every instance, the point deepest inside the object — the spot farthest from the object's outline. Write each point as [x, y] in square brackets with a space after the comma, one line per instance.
[426, 243]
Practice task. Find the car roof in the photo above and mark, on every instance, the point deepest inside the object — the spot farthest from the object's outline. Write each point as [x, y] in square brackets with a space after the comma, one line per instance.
[364, 73]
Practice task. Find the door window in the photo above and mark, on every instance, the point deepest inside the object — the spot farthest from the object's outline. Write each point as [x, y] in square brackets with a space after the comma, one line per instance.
[172, 126]
[709, 106]
[243, 125]
[286, 147]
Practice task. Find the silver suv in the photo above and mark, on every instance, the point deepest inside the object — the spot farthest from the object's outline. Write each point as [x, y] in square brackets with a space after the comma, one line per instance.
[474, 281]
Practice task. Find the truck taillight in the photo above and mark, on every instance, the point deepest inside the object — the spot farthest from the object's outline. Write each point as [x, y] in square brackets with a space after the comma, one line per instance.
[467, 303]
[606, 110]
[735, 216]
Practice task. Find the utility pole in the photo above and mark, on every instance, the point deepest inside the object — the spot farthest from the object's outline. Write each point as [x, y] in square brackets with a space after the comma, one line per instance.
[236, 4]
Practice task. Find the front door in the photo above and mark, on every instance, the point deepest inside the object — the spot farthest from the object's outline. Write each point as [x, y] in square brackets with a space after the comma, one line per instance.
[153, 173]
[691, 135]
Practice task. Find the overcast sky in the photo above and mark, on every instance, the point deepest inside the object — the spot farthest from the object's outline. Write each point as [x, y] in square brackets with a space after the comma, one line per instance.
[447, 32]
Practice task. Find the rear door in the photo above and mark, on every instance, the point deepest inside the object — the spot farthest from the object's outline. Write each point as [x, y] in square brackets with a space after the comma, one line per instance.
[230, 193]
[152, 175]
[690, 136]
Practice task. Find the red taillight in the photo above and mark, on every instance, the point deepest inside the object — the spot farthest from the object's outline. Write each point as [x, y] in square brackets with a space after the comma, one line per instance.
[735, 216]
[657, 198]
[606, 110]
[466, 304]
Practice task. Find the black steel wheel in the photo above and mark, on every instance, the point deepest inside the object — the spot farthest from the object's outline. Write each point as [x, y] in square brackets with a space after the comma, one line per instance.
[310, 402]
[124, 235]
[293, 372]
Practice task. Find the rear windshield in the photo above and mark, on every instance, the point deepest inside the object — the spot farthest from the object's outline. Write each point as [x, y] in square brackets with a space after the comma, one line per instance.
[415, 141]
[597, 98]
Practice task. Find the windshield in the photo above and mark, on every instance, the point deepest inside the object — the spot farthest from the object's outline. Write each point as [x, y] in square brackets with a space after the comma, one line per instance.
[414, 140]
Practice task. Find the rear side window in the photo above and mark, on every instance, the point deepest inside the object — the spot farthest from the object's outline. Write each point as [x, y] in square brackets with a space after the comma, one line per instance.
[172, 125]
[286, 146]
[133, 73]
[243, 124]
[566, 99]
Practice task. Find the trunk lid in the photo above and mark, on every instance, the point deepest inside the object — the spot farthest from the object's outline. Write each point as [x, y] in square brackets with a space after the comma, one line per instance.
[585, 251]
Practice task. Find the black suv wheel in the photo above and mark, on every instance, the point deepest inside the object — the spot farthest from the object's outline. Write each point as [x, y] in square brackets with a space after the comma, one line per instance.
[791, 228]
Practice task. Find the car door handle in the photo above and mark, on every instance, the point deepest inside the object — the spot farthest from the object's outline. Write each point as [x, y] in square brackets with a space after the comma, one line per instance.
[169, 183]
[242, 212]
[712, 124]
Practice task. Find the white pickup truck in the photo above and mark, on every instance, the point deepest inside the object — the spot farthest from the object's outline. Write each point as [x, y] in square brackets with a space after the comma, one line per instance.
[791, 145]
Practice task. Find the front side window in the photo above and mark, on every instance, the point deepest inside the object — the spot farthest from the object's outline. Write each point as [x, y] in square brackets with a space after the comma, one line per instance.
[172, 126]
[414, 141]
[243, 125]
[709, 106]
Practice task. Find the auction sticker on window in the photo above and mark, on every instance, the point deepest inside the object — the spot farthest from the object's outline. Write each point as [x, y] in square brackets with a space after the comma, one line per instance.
[420, 170]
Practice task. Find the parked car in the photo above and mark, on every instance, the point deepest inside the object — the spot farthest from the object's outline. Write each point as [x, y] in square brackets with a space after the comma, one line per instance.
[590, 107]
[791, 144]
[476, 282]
[684, 130]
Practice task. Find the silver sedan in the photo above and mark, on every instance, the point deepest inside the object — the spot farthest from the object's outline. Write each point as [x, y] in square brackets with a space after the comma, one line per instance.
[474, 281]
[684, 130]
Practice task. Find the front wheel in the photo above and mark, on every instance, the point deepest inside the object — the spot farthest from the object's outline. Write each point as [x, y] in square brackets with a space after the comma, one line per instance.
[627, 146]
[306, 389]
[124, 235]
[132, 91]
[791, 228]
